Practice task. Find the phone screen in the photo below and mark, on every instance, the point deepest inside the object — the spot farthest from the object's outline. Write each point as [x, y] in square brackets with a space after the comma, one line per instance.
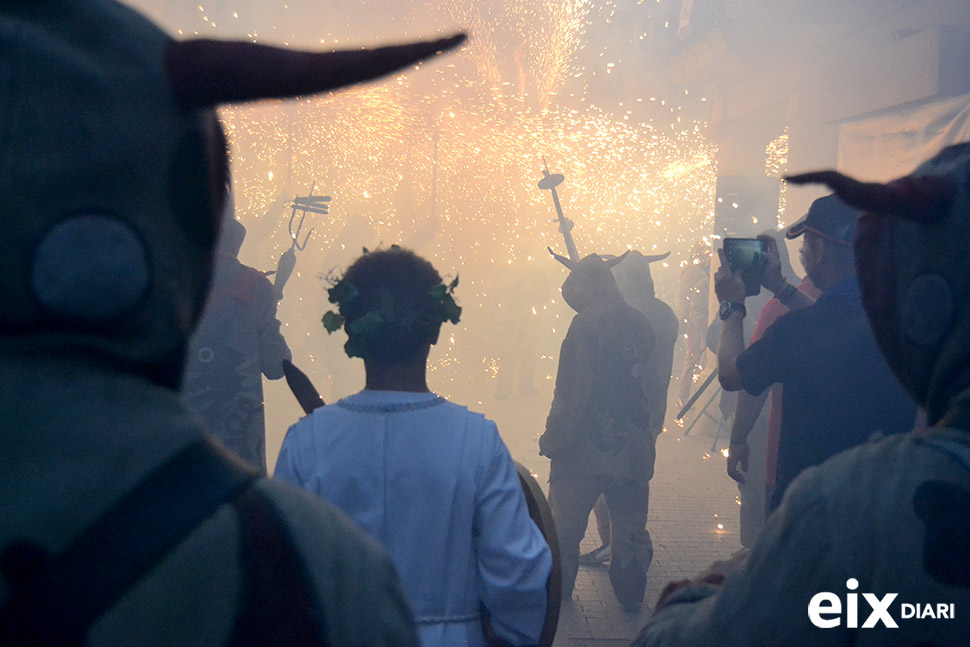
[747, 256]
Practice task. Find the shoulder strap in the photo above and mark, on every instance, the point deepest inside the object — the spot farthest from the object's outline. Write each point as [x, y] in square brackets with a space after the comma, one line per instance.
[280, 607]
[72, 590]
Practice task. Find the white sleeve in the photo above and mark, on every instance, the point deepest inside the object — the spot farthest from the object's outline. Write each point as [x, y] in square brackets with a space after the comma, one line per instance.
[287, 463]
[514, 560]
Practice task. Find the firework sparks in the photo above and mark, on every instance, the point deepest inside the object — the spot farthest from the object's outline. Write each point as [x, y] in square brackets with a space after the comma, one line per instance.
[448, 162]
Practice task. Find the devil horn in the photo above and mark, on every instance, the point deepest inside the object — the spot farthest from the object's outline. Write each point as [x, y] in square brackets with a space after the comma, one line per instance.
[562, 259]
[923, 199]
[613, 262]
[869, 196]
[653, 258]
[206, 73]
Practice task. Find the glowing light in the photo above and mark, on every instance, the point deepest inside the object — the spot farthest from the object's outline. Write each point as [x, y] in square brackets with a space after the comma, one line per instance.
[776, 164]
[457, 153]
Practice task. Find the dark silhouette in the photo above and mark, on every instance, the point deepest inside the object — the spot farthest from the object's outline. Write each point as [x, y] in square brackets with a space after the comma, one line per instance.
[598, 434]
[888, 517]
[122, 523]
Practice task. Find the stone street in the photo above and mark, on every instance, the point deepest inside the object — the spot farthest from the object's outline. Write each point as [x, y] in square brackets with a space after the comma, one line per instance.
[693, 521]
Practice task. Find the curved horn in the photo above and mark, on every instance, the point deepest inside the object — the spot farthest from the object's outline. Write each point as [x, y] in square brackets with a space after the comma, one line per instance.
[206, 73]
[655, 257]
[562, 259]
[649, 258]
[870, 196]
[616, 261]
[923, 199]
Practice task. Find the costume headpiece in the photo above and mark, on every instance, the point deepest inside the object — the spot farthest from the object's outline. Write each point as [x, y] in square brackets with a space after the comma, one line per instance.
[388, 317]
[590, 274]
[636, 255]
[114, 168]
[591, 260]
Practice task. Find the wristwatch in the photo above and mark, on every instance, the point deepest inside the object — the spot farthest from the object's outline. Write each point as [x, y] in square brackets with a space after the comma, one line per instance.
[731, 306]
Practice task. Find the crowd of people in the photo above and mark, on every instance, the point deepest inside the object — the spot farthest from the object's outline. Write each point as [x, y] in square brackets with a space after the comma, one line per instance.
[135, 503]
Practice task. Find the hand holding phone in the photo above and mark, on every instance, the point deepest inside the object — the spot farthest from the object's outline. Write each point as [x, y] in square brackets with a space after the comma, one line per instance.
[728, 285]
[748, 257]
[772, 277]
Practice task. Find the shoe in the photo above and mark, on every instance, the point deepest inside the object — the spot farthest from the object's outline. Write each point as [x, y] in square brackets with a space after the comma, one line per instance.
[599, 556]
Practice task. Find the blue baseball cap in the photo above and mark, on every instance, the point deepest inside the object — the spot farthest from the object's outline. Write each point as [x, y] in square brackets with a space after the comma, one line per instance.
[830, 218]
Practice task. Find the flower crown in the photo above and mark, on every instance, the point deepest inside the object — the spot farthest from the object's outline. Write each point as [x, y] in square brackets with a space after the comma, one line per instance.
[441, 307]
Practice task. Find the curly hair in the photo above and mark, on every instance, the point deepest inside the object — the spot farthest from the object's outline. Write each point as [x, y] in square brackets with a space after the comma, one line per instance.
[397, 283]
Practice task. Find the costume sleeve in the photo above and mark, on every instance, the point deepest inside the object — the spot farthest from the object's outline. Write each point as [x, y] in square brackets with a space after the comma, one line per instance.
[272, 347]
[564, 425]
[514, 560]
[287, 463]
[769, 360]
[766, 601]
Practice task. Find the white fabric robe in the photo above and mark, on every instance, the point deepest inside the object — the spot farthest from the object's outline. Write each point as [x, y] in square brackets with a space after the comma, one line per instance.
[436, 485]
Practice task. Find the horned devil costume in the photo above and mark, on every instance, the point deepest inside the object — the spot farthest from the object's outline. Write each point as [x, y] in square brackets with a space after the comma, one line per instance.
[635, 283]
[598, 434]
[886, 522]
[122, 525]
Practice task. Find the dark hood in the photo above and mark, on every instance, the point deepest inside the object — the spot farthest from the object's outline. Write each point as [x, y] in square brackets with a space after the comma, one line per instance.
[115, 168]
[590, 281]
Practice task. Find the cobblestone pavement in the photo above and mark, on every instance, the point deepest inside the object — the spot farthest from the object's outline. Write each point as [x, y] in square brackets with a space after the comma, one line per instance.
[693, 521]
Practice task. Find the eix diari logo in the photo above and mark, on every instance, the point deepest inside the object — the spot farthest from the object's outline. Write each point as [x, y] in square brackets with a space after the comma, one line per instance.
[825, 609]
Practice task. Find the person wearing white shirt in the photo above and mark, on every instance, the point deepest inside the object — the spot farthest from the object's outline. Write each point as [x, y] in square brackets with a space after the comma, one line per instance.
[429, 479]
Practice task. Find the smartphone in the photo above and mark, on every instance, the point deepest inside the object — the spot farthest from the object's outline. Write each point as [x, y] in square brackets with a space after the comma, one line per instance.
[749, 257]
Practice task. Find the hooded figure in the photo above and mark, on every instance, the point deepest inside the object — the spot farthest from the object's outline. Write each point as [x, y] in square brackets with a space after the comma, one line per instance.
[636, 285]
[122, 524]
[237, 342]
[888, 519]
[598, 434]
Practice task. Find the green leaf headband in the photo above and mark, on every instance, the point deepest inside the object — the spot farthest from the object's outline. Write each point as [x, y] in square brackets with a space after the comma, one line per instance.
[441, 308]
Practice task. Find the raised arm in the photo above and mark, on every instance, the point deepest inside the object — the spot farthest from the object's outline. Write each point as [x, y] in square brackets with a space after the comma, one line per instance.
[729, 288]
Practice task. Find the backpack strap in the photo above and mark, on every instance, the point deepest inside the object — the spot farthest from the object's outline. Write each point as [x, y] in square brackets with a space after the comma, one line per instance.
[279, 606]
[71, 590]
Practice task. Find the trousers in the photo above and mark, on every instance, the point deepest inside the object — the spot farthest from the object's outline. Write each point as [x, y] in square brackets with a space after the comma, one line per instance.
[572, 499]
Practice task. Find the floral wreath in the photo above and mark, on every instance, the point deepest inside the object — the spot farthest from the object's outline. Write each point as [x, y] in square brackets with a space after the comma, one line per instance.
[441, 308]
